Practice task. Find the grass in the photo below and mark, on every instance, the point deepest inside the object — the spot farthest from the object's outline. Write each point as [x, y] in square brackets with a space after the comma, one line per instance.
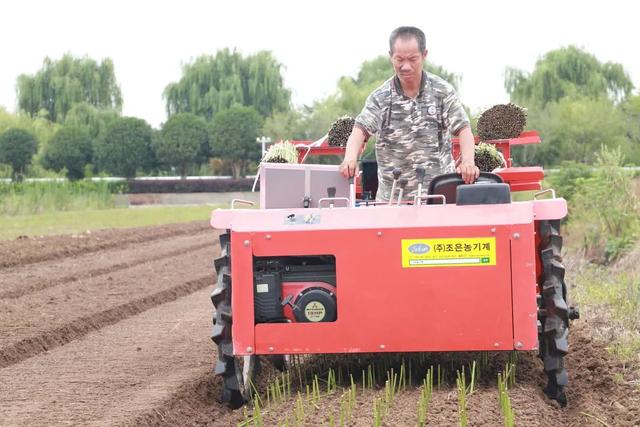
[38, 197]
[70, 222]
[616, 295]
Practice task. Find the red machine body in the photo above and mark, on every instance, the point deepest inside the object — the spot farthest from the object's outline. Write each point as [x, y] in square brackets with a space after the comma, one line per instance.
[483, 273]
[381, 305]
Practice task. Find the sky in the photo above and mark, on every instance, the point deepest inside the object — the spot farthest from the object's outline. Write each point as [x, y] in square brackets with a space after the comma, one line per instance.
[317, 42]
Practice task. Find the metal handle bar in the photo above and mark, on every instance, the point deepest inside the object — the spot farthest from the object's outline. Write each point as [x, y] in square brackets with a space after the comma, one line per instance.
[246, 202]
[548, 190]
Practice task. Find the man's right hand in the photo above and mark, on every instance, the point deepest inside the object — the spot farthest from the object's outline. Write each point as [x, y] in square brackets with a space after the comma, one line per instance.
[349, 167]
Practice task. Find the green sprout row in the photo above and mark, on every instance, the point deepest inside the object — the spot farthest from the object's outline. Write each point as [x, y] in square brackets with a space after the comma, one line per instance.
[425, 398]
[397, 372]
[506, 381]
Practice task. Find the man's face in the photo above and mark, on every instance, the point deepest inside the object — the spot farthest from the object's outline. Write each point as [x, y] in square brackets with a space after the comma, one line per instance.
[407, 59]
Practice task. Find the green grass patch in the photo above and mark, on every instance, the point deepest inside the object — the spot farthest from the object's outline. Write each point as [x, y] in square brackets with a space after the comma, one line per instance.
[618, 295]
[69, 222]
[37, 197]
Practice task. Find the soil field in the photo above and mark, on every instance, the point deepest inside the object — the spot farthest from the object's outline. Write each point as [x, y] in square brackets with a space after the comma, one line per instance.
[112, 328]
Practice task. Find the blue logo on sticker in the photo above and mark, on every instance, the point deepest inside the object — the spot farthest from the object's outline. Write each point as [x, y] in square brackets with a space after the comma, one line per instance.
[419, 248]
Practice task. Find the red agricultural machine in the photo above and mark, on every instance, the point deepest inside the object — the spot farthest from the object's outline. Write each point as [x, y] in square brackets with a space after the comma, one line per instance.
[319, 270]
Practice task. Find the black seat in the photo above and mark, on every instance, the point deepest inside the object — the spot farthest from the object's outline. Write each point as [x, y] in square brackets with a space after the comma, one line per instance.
[369, 168]
[447, 185]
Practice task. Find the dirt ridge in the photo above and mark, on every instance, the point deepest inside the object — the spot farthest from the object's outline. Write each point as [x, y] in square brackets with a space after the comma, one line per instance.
[49, 339]
[38, 286]
[31, 250]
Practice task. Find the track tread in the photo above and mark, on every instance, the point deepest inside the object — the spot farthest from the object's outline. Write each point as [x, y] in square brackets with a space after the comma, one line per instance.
[222, 321]
[553, 313]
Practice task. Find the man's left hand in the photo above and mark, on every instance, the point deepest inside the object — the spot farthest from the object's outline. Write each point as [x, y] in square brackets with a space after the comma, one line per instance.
[468, 170]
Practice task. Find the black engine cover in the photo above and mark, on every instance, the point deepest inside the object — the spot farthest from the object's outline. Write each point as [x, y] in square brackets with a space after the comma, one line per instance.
[266, 297]
[315, 305]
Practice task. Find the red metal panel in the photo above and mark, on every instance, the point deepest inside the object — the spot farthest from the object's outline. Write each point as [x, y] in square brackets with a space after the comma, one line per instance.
[531, 173]
[382, 306]
[374, 216]
[523, 273]
[550, 208]
[524, 186]
[242, 293]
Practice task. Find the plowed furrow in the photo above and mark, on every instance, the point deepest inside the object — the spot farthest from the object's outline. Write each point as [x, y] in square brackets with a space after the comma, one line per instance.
[116, 373]
[52, 338]
[33, 250]
[43, 283]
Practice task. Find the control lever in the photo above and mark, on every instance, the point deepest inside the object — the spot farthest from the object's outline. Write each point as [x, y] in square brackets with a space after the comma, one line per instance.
[352, 192]
[402, 182]
[396, 174]
[420, 173]
[287, 301]
[331, 192]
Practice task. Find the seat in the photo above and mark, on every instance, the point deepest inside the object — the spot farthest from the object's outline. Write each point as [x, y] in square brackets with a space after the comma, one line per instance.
[447, 185]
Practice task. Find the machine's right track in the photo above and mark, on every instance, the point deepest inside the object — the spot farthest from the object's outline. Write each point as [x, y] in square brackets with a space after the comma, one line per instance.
[554, 311]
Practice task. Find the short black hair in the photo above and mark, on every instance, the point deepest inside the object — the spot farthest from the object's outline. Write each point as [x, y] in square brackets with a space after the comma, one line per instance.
[408, 32]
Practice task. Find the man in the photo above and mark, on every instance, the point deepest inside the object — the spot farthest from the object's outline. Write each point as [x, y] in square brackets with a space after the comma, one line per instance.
[413, 115]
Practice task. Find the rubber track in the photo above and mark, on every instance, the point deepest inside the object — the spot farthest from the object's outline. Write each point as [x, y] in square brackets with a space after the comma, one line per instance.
[97, 272]
[554, 313]
[80, 327]
[125, 240]
[222, 321]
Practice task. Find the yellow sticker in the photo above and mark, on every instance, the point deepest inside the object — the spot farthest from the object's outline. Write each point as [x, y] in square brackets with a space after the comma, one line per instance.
[454, 252]
[314, 311]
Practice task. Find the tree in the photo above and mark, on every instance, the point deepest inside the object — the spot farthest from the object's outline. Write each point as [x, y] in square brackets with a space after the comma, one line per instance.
[234, 137]
[568, 71]
[38, 126]
[17, 148]
[59, 85]
[576, 130]
[184, 140]
[285, 126]
[125, 147]
[70, 149]
[213, 83]
[95, 120]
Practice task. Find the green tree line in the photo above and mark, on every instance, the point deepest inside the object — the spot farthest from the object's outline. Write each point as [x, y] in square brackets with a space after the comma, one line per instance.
[70, 122]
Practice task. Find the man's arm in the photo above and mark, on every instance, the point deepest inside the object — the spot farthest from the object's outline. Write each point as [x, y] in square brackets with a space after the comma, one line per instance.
[349, 166]
[467, 166]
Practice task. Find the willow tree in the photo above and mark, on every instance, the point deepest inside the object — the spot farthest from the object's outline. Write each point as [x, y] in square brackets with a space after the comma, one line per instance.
[61, 84]
[213, 83]
[564, 72]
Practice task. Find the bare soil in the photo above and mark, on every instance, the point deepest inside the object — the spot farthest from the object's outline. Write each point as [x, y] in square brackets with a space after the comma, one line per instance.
[111, 328]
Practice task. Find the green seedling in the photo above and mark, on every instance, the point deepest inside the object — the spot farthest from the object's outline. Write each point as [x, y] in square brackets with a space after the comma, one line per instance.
[462, 397]
[425, 398]
[505, 402]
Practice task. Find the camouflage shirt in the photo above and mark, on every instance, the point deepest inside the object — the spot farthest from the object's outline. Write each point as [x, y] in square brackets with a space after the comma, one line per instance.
[412, 132]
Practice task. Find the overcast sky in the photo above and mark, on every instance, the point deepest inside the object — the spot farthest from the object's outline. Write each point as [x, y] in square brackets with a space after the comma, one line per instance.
[317, 42]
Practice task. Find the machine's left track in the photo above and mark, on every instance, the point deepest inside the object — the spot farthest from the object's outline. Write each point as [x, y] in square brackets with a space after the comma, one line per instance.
[237, 372]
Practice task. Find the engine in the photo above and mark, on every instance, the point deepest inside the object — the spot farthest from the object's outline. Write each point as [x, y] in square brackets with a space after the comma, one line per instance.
[295, 289]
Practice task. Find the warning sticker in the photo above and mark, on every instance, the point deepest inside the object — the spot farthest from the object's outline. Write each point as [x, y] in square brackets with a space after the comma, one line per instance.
[454, 252]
